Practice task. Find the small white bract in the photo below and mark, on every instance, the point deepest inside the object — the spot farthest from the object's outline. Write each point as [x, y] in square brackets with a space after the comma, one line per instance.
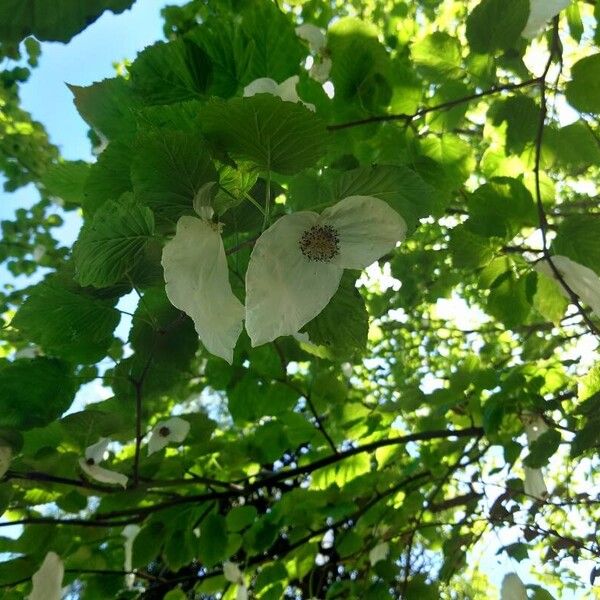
[513, 588]
[582, 280]
[197, 278]
[285, 90]
[313, 35]
[378, 553]
[94, 455]
[165, 432]
[47, 580]
[296, 265]
[534, 484]
[321, 69]
[5, 458]
[540, 12]
[129, 533]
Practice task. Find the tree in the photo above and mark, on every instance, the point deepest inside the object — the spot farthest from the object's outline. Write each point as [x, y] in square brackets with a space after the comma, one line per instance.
[367, 432]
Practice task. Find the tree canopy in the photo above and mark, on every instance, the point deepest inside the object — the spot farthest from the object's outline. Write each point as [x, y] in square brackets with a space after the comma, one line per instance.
[338, 275]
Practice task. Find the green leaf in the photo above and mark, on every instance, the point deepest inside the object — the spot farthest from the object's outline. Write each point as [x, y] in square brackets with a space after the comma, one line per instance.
[549, 300]
[572, 147]
[578, 238]
[542, 449]
[343, 325]
[176, 594]
[438, 56]
[171, 72]
[240, 517]
[66, 180]
[521, 115]
[468, 250]
[68, 321]
[109, 245]
[34, 392]
[273, 134]
[496, 24]
[168, 170]
[57, 22]
[86, 426]
[107, 106]
[361, 65]
[508, 300]
[403, 189]
[583, 91]
[212, 544]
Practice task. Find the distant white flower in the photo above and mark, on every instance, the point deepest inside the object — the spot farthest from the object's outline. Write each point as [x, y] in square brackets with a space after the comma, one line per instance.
[165, 432]
[94, 455]
[197, 278]
[5, 458]
[296, 265]
[129, 533]
[582, 280]
[47, 580]
[313, 35]
[285, 90]
[320, 69]
[39, 252]
[541, 11]
[378, 553]
[534, 484]
[232, 573]
[512, 588]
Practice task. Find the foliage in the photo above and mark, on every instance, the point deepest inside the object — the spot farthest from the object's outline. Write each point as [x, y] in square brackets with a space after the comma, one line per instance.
[401, 414]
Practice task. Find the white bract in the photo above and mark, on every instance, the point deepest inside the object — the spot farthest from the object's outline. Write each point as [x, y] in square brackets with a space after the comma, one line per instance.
[313, 35]
[296, 265]
[540, 12]
[320, 69]
[197, 278]
[378, 553]
[47, 580]
[129, 533]
[534, 484]
[285, 90]
[232, 573]
[94, 455]
[5, 458]
[582, 280]
[165, 432]
[512, 588]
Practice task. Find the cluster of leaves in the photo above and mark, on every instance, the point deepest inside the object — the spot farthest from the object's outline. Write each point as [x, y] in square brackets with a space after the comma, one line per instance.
[304, 457]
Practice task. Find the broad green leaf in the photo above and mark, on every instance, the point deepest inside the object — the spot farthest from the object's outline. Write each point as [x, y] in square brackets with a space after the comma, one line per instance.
[572, 147]
[438, 56]
[171, 72]
[508, 300]
[109, 245]
[66, 180]
[273, 134]
[107, 106]
[240, 517]
[542, 449]
[549, 300]
[57, 22]
[343, 325]
[87, 426]
[68, 321]
[578, 238]
[469, 250]
[521, 115]
[583, 91]
[496, 24]
[212, 544]
[168, 170]
[34, 392]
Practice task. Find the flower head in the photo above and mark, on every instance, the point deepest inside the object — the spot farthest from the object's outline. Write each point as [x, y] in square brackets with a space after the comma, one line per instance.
[285, 90]
[540, 12]
[296, 265]
[582, 280]
[94, 455]
[197, 278]
[165, 432]
[534, 484]
[47, 580]
[513, 588]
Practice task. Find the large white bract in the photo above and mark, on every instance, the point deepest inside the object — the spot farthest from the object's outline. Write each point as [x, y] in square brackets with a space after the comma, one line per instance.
[174, 429]
[313, 35]
[129, 533]
[540, 12]
[582, 280]
[197, 278]
[296, 265]
[534, 484]
[286, 90]
[47, 580]
[94, 455]
[513, 588]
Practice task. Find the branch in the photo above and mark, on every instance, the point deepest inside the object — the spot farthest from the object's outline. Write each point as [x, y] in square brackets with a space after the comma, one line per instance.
[428, 109]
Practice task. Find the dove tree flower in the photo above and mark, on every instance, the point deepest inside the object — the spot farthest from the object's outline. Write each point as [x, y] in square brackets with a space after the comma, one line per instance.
[129, 533]
[197, 282]
[540, 12]
[378, 553]
[94, 455]
[534, 483]
[513, 588]
[47, 580]
[232, 573]
[296, 265]
[285, 90]
[582, 280]
[317, 42]
[174, 429]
